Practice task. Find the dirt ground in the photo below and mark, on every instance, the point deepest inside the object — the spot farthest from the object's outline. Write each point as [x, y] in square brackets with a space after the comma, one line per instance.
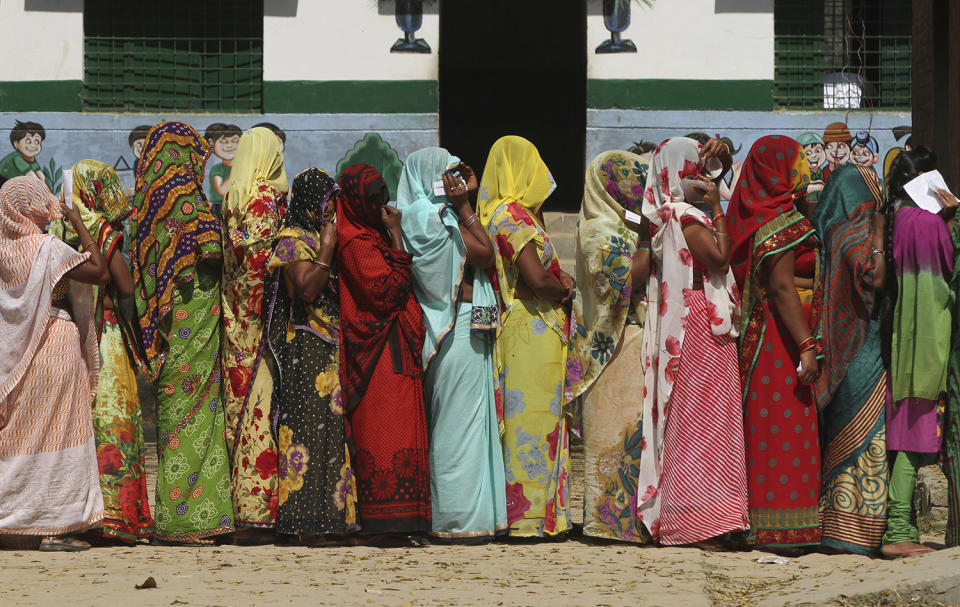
[573, 572]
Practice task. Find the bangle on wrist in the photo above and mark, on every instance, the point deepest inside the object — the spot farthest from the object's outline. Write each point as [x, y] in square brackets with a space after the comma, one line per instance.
[88, 245]
[880, 252]
[469, 221]
[643, 245]
[323, 264]
[809, 343]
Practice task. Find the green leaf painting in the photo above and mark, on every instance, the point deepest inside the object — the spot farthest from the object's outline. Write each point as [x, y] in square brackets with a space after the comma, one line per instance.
[52, 175]
[376, 152]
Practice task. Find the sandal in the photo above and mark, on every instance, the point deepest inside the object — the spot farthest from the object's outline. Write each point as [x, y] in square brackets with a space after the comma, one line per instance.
[62, 544]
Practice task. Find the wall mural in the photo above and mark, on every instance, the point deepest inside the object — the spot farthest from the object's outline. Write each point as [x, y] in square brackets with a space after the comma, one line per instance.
[616, 18]
[409, 15]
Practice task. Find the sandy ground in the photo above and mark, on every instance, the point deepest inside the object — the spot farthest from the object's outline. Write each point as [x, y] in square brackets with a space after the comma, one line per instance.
[574, 572]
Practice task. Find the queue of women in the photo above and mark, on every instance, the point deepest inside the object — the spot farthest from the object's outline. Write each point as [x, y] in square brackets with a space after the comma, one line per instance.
[329, 368]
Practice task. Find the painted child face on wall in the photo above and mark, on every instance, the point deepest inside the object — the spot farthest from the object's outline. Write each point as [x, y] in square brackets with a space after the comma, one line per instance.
[861, 154]
[30, 146]
[138, 147]
[838, 152]
[815, 155]
[226, 147]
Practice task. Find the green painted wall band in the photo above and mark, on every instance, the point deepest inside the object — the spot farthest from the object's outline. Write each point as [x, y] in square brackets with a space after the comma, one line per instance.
[350, 96]
[41, 96]
[680, 94]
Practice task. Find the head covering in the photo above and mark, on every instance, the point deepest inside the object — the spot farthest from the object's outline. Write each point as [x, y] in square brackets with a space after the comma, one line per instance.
[259, 160]
[431, 234]
[356, 215]
[663, 332]
[313, 190]
[31, 264]
[844, 220]
[774, 172]
[615, 182]
[809, 139]
[837, 132]
[99, 196]
[514, 173]
[376, 284]
[172, 228]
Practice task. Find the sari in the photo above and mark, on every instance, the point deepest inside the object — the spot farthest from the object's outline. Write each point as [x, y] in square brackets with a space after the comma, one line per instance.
[175, 258]
[782, 437]
[951, 418]
[851, 389]
[923, 257]
[252, 211]
[531, 344]
[317, 491]
[467, 487]
[117, 417]
[48, 373]
[689, 416]
[605, 339]
[381, 375]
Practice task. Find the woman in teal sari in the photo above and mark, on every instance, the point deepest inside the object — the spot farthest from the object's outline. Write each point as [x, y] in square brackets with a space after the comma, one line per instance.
[450, 253]
[850, 391]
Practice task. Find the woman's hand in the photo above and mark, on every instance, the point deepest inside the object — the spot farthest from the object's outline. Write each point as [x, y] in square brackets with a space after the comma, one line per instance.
[809, 367]
[328, 236]
[468, 176]
[72, 214]
[714, 148]
[948, 200]
[455, 190]
[567, 281]
[712, 197]
[390, 217]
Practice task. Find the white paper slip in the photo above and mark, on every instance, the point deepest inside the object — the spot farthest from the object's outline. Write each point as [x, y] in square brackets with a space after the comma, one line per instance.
[68, 188]
[438, 188]
[922, 190]
[632, 217]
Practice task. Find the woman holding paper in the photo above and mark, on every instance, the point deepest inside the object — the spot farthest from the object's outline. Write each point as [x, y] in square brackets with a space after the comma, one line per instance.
[450, 255]
[691, 406]
[775, 259]
[117, 420]
[923, 257]
[49, 486]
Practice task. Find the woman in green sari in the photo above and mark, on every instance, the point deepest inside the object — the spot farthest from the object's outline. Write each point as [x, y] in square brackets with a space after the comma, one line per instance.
[176, 265]
[850, 391]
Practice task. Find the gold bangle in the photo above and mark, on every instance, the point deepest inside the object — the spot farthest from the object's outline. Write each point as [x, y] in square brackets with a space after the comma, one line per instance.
[326, 266]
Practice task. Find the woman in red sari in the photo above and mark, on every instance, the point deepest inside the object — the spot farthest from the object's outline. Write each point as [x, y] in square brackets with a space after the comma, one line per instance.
[382, 336]
[776, 261]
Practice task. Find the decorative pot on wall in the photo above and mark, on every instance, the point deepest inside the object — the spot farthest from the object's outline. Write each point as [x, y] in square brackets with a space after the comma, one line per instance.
[616, 18]
[409, 15]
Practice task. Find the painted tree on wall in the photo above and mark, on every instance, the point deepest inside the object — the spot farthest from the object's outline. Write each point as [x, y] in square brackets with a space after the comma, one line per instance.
[376, 152]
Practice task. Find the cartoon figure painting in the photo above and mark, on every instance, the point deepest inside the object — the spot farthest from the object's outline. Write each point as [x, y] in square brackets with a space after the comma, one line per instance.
[224, 139]
[136, 139]
[276, 131]
[27, 141]
[837, 140]
[865, 150]
[813, 148]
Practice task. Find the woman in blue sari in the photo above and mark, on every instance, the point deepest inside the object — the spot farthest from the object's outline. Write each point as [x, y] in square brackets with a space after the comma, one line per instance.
[450, 254]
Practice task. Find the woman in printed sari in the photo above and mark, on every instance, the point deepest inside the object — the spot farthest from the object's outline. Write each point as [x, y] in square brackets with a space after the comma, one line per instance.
[252, 211]
[951, 419]
[49, 485]
[317, 489]
[920, 344]
[850, 391]
[117, 418]
[175, 256]
[775, 259]
[691, 406]
[381, 372]
[450, 253]
[613, 264]
[531, 343]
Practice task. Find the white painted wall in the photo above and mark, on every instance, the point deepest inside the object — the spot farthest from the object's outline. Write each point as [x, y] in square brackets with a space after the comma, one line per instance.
[344, 40]
[689, 40]
[40, 45]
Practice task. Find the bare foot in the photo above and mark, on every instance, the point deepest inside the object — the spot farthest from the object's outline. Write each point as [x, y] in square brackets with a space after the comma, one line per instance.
[904, 549]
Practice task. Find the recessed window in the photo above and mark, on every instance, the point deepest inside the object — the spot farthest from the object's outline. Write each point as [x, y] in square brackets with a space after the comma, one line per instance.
[187, 55]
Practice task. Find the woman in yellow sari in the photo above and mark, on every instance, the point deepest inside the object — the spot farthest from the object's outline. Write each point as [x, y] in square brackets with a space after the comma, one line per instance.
[532, 341]
[117, 418]
[252, 211]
